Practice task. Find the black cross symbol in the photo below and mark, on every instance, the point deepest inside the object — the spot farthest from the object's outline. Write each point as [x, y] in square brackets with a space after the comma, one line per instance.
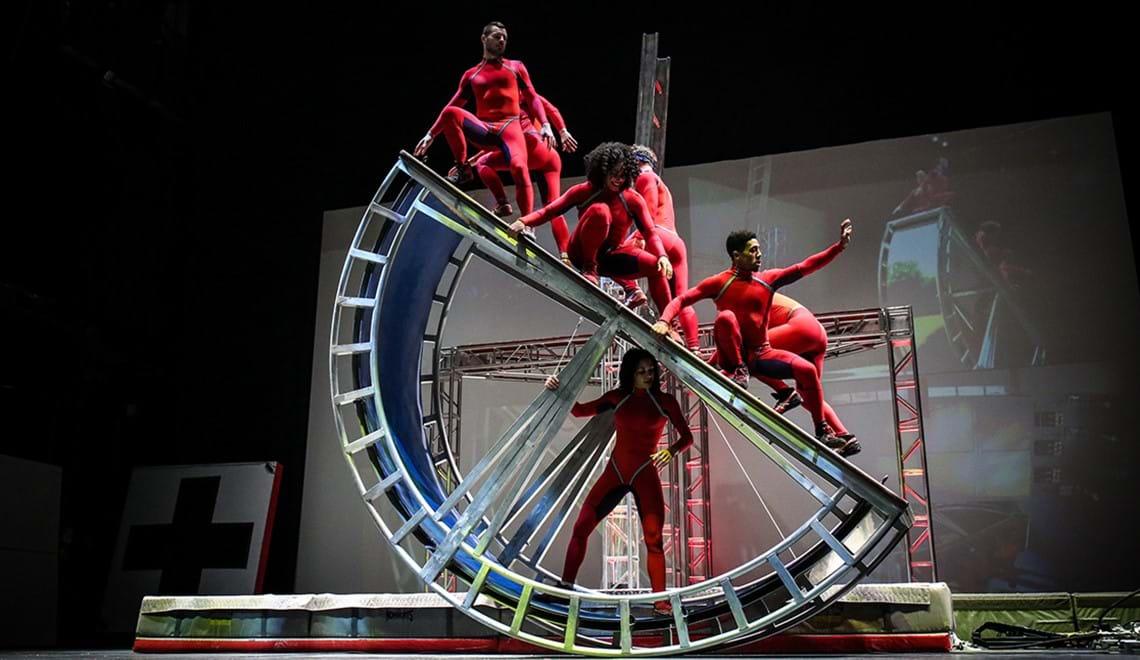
[191, 543]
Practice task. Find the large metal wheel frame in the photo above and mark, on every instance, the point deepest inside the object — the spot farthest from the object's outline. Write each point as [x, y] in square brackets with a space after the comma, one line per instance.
[405, 261]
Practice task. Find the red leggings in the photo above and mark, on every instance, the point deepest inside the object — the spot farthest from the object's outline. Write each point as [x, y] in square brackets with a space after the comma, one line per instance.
[679, 258]
[459, 126]
[589, 251]
[767, 361]
[540, 158]
[804, 336]
[645, 485]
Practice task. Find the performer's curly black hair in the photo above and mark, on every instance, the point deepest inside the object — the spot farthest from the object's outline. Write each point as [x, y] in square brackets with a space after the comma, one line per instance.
[611, 158]
[644, 154]
[737, 240]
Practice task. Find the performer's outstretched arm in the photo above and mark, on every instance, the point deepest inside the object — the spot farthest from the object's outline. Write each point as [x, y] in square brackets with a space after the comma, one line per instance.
[607, 401]
[710, 287]
[598, 405]
[783, 276]
[572, 197]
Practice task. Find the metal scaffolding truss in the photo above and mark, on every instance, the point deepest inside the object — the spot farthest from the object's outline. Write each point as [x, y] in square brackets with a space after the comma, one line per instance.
[910, 439]
[688, 533]
[652, 98]
[689, 529]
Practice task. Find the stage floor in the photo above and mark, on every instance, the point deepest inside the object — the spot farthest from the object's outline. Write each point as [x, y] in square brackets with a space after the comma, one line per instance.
[126, 653]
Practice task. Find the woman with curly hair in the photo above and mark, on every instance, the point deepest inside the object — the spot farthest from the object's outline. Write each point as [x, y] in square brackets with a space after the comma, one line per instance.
[660, 202]
[607, 208]
[641, 409]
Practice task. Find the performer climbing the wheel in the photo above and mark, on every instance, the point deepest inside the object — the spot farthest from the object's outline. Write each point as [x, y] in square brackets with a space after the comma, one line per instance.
[743, 299]
[641, 409]
[540, 158]
[660, 202]
[931, 190]
[607, 208]
[793, 328]
[499, 88]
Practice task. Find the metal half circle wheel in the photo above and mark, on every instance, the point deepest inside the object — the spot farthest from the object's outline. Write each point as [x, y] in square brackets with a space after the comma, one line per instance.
[493, 526]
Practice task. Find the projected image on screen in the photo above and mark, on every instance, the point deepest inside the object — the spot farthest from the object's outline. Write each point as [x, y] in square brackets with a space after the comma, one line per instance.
[966, 293]
[1012, 246]
[909, 276]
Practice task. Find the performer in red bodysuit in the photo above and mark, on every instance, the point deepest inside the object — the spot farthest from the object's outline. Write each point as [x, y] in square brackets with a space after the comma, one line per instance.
[991, 240]
[540, 158]
[793, 328]
[641, 411]
[660, 202]
[743, 298]
[931, 190]
[607, 209]
[499, 87]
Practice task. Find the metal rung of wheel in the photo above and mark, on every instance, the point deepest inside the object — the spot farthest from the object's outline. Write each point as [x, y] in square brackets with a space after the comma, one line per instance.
[386, 213]
[381, 487]
[351, 349]
[356, 302]
[516, 500]
[364, 442]
[365, 255]
[346, 398]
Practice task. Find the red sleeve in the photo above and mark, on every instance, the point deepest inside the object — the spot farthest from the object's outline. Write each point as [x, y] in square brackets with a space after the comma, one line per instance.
[572, 197]
[561, 233]
[906, 204]
[708, 288]
[643, 220]
[779, 277]
[459, 99]
[680, 424]
[646, 186]
[553, 114]
[530, 97]
[601, 404]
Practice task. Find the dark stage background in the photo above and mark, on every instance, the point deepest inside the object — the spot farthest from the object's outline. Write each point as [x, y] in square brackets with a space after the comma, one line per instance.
[169, 163]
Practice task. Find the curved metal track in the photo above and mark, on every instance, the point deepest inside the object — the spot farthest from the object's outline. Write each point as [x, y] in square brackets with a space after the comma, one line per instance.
[493, 528]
